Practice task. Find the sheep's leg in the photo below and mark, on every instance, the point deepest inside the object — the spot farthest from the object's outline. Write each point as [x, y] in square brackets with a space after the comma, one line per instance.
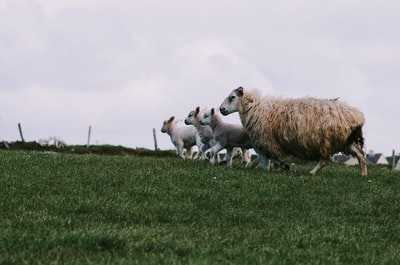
[199, 153]
[204, 148]
[321, 164]
[200, 147]
[255, 162]
[280, 163]
[214, 152]
[267, 164]
[245, 157]
[359, 153]
[180, 150]
[189, 153]
[229, 156]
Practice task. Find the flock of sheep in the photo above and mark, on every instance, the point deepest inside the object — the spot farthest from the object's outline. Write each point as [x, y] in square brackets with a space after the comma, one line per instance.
[306, 128]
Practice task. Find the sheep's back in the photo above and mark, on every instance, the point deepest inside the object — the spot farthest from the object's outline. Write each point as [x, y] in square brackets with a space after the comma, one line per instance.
[188, 135]
[232, 135]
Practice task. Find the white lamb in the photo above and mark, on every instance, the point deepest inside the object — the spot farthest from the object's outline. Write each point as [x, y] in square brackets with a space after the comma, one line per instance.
[203, 131]
[307, 128]
[183, 138]
[226, 135]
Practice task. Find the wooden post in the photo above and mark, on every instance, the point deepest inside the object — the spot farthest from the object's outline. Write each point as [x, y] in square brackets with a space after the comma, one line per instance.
[155, 140]
[393, 160]
[88, 139]
[20, 132]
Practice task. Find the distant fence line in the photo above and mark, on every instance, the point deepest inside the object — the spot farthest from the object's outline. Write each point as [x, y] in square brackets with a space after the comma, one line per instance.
[89, 135]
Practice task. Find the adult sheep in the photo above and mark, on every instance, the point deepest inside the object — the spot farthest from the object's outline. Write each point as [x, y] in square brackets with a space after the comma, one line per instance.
[307, 128]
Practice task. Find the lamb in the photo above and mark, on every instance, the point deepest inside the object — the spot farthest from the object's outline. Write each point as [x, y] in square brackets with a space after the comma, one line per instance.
[182, 137]
[226, 135]
[307, 128]
[203, 131]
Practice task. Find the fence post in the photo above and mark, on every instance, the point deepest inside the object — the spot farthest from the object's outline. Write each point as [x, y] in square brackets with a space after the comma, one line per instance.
[393, 159]
[88, 139]
[155, 140]
[20, 132]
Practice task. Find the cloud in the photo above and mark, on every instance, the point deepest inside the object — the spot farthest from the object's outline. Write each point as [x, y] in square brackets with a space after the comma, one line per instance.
[125, 66]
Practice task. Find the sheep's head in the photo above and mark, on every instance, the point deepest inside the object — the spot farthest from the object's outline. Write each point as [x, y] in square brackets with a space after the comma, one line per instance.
[167, 124]
[207, 116]
[189, 120]
[232, 102]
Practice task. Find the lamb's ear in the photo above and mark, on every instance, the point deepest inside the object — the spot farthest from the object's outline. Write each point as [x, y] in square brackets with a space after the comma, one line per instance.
[212, 111]
[172, 118]
[239, 91]
[197, 110]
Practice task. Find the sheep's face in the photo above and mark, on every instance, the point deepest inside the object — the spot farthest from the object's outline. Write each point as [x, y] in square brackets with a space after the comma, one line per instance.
[167, 124]
[190, 118]
[232, 102]
[206, 117]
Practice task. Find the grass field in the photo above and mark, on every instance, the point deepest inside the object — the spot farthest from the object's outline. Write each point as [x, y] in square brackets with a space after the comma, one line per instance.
[108, 209]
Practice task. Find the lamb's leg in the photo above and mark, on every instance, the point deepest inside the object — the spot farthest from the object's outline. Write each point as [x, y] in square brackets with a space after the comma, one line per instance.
[359, 153]
[266, 164]
[229, 156]
[180, 150]
[200, 147]
[258, 160]
[321, 164]
[199, 153]
[204, 148]
[255, 162]
[214, 152]
[245, 157]
[189, 152]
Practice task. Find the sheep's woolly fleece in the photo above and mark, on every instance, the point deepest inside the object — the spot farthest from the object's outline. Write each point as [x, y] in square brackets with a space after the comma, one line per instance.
[308, 128]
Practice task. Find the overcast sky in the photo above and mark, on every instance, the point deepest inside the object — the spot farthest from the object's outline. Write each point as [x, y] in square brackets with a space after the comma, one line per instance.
[124, 66]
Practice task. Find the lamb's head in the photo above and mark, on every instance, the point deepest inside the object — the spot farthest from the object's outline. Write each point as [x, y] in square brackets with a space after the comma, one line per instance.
[167, 124]
[190, 119]
[207, 117]
[232, 103]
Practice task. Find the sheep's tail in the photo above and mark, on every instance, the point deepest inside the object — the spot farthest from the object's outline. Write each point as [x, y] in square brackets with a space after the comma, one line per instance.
[356, 137]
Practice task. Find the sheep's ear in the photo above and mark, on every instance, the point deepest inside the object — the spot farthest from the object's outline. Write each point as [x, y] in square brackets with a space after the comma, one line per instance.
[197, 109]
[212, 111]
[239, 91]
[172, 118]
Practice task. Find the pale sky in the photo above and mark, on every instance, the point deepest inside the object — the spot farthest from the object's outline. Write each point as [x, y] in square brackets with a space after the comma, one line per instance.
[124, 66]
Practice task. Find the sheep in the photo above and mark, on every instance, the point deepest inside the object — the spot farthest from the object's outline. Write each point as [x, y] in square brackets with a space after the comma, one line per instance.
[204, 132]
[307, 128]
[44, 141]
[59, 143]
[182, 137]
[226, 135]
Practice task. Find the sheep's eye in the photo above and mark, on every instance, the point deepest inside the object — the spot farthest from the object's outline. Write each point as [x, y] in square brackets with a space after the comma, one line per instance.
[231, 98]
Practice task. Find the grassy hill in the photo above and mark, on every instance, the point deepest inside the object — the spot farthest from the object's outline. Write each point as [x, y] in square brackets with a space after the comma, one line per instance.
[126, 209]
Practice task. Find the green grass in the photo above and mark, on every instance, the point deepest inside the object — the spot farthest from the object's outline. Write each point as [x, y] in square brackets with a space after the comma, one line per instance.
[103, 209]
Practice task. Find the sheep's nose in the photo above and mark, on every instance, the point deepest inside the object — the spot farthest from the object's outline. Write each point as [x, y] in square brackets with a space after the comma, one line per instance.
[222, 110]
